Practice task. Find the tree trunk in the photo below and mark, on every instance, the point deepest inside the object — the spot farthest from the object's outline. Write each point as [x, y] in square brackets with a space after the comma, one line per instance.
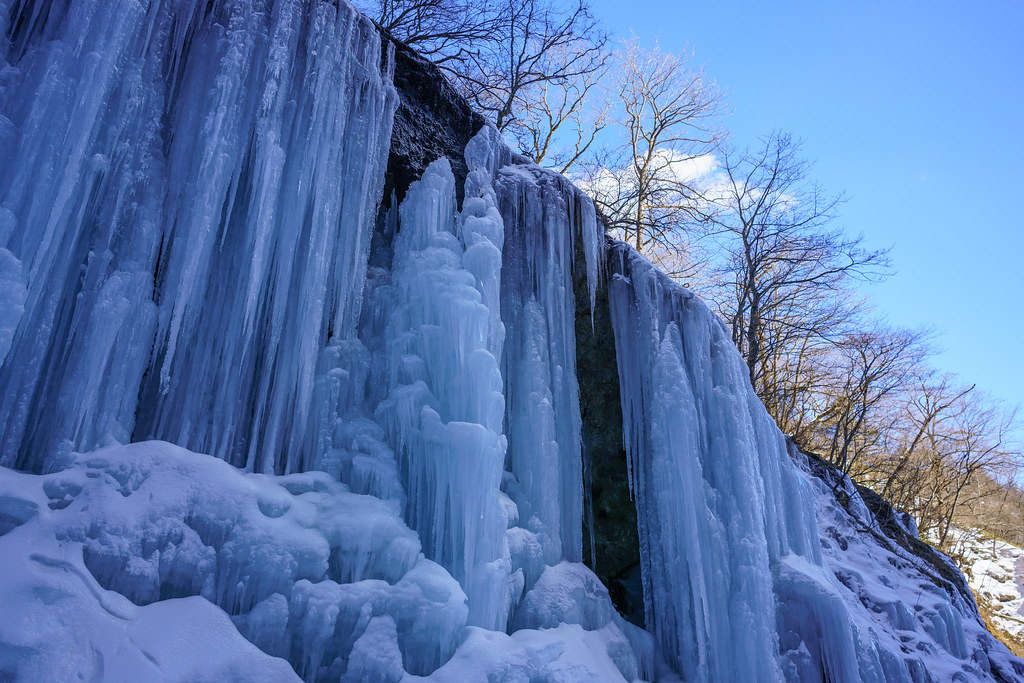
[754, 339]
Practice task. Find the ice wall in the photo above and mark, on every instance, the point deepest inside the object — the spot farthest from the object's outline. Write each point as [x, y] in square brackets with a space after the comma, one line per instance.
[717, 501]
[186, 201]
[546, 219]
[468, 347]
[736, 584]
[443, 412]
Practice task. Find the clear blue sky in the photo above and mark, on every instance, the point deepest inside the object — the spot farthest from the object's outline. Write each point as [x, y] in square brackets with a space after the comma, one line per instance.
[915, 110]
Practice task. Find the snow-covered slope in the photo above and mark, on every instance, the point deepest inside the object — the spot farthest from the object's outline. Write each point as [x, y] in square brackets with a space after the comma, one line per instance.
[996, 575]
[910, 598]
[370, 353]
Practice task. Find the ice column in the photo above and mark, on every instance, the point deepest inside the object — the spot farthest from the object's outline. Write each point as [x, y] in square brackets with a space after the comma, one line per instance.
[544, 218]
[717, 499]
[443, 415]
[185, 201]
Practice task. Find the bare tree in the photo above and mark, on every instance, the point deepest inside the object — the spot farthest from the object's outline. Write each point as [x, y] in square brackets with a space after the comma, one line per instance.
[648, 187]
[535, 44]
[877, 363]
[979, 435]
[925, 403]
[560, 120]
[531, 66]
[444, 31]
[996, 508]
[950, 463]
[776, 227]
[801, 371]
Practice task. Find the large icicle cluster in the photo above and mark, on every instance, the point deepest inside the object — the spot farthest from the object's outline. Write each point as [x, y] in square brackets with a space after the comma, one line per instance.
[454, 292]
[443, 414]
[736, 586]
[544, 219]
[185, 204]
[717, 501]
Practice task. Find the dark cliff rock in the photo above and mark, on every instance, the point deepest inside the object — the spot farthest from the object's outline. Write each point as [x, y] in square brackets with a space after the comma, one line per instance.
[432, 121]
[611, 542]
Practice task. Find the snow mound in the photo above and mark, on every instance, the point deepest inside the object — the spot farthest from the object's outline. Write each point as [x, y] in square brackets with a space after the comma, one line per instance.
[132, 558]
[150, 562]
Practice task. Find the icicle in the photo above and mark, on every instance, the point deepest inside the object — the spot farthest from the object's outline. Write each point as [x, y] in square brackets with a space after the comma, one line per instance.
[443, 416]
[715, 491]
[189, 190]
[542, 392]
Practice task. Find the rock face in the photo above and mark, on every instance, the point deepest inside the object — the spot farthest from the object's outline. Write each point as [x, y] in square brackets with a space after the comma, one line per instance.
[432, 121]
[611, 542]
[464, 436]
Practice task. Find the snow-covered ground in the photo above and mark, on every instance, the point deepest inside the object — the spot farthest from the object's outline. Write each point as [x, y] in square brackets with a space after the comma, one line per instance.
[148, 562]
[995, 571]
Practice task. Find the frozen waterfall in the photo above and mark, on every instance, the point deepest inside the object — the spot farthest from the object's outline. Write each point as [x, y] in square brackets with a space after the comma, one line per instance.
[186, 200]
[718, 501]
[196, 260]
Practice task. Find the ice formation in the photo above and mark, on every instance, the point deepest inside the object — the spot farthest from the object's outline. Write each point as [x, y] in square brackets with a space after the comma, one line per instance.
[187, 195]
[194, 263]
[702, 447]
[443, 413]
[780, 583]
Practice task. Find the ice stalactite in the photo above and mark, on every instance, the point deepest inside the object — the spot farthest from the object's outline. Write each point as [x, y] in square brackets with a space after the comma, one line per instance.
[545, 217]
[717, 499]
[200, 231]
[443, 414]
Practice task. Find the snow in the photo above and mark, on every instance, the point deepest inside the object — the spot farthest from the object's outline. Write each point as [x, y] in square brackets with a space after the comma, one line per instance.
[127, 563]
[566, 654]
[996, 573]
[140, 553]
[911, 613]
